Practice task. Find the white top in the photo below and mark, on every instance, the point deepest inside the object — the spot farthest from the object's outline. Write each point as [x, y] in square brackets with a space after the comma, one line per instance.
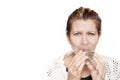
[57, 70]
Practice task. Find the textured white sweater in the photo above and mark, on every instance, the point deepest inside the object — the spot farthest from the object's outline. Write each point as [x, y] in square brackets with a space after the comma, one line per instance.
[57, 70]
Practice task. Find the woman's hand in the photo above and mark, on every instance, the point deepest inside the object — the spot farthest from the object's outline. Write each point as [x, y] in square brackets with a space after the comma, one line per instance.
[79, 60]
[76, 65]
[97, 68]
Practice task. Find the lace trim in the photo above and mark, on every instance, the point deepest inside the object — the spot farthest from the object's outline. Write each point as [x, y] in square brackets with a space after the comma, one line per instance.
[112, 68]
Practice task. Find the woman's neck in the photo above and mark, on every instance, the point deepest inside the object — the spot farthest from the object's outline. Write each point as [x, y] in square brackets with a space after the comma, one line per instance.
[85, 72]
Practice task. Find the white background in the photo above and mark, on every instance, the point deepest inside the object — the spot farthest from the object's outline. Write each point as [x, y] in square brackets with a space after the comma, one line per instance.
[32, 33]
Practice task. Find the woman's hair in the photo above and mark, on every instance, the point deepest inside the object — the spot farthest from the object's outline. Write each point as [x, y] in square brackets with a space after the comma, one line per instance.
[83, 14]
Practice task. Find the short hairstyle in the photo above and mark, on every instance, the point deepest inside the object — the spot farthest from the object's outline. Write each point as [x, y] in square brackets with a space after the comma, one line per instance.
[83, 14]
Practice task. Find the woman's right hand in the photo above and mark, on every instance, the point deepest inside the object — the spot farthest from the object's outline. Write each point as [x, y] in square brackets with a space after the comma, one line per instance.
[76, 65]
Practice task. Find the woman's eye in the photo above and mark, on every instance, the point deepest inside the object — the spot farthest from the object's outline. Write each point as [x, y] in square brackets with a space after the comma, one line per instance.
[76, 34]
[91, 34]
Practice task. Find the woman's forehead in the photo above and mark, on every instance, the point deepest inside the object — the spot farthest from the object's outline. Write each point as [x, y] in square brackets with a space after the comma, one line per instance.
[84, 25]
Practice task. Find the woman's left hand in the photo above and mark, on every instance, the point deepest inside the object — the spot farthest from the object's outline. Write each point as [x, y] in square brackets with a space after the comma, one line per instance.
[97, 68]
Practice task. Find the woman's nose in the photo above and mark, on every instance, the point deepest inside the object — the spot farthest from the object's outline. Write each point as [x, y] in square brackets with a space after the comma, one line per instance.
[85, 40]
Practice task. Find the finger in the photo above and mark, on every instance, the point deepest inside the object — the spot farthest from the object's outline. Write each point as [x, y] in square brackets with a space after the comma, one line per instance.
[80, 68]
[91, 61]
[99, 58]
[75, 65]
[82, 58]
[99, 61]
[94, 72]
[71, 71]
[79, 62]
[91, 67]
[78, 55]
[100, 67]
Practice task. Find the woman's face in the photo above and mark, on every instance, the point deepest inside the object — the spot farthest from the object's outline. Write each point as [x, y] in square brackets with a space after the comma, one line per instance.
[83, 35]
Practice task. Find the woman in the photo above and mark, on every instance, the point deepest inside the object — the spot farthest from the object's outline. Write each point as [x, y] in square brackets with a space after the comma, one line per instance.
[83, 32]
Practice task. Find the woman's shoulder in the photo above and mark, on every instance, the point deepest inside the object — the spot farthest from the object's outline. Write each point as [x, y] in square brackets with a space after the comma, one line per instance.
[112, 67]
[55, 69]
[110, 59]
[111, 62]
